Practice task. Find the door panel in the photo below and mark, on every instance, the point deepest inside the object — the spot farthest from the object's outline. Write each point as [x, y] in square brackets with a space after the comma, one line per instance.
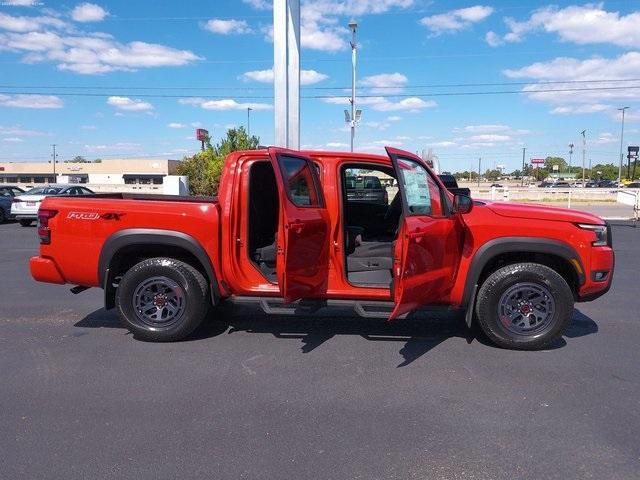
[302, 263]
[429, 244]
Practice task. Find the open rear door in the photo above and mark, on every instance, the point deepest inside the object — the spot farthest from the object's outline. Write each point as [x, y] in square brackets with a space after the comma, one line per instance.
[428, 247]
[303, 234]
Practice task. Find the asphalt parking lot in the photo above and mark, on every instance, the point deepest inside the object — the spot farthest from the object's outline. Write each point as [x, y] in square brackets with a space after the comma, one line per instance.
[332, 397]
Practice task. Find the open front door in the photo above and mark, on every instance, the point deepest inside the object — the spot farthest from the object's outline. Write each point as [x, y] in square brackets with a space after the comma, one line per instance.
[302, 262]
[428, 247]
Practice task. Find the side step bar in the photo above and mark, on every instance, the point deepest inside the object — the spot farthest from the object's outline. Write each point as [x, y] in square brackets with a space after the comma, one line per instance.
[276, 306]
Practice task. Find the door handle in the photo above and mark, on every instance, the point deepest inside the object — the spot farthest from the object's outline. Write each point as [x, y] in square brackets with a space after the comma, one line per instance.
[296, 226]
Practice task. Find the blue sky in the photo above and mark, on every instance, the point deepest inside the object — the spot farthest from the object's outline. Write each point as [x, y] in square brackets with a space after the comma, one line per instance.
[150, 72]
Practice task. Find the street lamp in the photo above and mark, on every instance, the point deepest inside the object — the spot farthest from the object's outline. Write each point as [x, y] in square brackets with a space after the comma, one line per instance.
[353, 26]
[584, 152]
[570, 155]
[248, 122]
[623, 109]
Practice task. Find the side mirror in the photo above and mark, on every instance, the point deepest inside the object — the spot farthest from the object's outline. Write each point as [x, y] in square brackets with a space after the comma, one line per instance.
[462, 204]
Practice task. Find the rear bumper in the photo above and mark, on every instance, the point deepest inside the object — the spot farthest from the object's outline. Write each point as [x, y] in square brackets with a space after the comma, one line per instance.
[45, 270]
[21, 216]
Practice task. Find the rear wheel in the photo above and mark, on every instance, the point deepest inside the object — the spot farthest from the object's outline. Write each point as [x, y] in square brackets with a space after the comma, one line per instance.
[25, 222]
[524, 306]
[3, 217]
[162, 299]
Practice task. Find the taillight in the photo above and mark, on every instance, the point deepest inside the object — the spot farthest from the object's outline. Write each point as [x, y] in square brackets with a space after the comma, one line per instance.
[44, 232]
[16, 200]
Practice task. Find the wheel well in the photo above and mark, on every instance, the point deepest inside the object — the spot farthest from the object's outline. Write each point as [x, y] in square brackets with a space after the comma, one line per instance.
[128, 256]
[556, 262]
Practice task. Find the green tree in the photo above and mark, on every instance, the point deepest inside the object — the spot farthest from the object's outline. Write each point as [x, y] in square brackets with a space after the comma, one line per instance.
[549, 162]
[204, 168]
[77, 159]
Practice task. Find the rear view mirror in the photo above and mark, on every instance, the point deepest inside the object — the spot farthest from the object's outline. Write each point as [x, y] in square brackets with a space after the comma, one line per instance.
[462, 204]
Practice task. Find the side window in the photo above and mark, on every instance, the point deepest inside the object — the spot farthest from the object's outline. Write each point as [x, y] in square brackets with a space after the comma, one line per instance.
[421, 191]
[298, 180]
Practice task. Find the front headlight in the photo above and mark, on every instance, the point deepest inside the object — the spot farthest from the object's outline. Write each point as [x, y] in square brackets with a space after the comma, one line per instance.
[602, 237]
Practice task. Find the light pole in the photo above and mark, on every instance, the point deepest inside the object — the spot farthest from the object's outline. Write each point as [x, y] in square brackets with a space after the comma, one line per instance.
[54, 155]
[570, 155]
[248, 122]
[584, 151]
[353, 26]
[623, 109]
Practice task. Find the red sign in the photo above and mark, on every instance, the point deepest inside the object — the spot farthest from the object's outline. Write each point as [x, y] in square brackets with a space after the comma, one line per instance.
[537, 161]
[201, 134]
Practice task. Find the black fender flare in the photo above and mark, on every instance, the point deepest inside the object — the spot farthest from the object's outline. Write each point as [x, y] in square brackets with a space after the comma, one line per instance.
[151, 236]
[499, 246]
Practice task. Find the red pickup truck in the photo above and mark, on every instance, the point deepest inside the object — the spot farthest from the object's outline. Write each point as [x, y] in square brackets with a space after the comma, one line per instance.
[283, 234]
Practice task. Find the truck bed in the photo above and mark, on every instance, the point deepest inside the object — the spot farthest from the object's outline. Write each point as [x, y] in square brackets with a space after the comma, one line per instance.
[151, 197]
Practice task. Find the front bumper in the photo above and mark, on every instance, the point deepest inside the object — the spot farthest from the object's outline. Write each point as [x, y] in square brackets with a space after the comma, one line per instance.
[602, 262]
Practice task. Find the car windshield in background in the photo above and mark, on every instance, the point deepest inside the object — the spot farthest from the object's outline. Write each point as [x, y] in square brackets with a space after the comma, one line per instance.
[44, 191]
[365, 182]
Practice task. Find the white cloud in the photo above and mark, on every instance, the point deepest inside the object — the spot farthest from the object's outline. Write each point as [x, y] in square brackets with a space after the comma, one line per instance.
[20, 3]
[227, 27]
[605, 138]
[493, 39]
[176, 125]
[226, 104]
[490, 137]
[586, 108]
[456, 20]
[28, 24]
[320, 20]
[597, 69]
[307, 77]
[88, 127]
[88, 12]
[13, 140]
[31, 101]
[336, 145]
[17, 130]
[385, 82]
[129, 104]
[587, 24]
[394, 118]
[443, 144]
[487, 128]
[118, 147]
[49, 39]
[383, 104]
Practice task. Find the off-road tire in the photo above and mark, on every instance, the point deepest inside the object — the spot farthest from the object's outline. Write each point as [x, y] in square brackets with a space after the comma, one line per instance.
[193, 289]
[500, 281]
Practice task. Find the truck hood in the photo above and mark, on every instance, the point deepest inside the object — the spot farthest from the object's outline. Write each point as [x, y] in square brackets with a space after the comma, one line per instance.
[542, 212]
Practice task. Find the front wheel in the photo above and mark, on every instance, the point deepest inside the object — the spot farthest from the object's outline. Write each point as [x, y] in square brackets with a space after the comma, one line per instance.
[524, 306]
[162, 299]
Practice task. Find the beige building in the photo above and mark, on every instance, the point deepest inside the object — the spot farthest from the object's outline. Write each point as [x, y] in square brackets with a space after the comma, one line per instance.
[112, 175]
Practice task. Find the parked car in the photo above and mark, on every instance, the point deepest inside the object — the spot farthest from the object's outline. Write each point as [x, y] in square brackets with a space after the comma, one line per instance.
[496, 185]
[633, 185]
[281, 242]
[560, 185]
[545, 184]
[451, 183]
[366, 188]
[7, 193]
[25, 206]
[607, 184]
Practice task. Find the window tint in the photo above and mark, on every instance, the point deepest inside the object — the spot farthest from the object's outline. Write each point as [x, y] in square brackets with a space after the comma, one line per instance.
[421, 190]
[298, 180]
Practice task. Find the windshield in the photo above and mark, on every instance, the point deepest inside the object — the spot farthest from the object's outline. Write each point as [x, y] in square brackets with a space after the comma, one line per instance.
[44, 191]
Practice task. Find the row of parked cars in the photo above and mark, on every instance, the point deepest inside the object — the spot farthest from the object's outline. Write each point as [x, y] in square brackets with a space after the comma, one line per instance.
[589, 184]
[15, 203]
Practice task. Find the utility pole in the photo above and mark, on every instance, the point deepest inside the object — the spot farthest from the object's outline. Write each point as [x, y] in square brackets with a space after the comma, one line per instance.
[584, 152]
[522, 176]
[249, 121]
[479, 170]
[353, 26]
[623, 109]
[54, 156]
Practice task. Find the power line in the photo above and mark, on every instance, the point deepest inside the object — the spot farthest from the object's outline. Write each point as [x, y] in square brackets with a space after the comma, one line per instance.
[219, 87]
[382, 95]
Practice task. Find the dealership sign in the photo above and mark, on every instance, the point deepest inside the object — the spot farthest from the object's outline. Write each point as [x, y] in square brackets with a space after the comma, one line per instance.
[537, 161]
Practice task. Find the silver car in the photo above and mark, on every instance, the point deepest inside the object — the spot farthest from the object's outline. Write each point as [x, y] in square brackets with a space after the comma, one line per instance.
[25, 206]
